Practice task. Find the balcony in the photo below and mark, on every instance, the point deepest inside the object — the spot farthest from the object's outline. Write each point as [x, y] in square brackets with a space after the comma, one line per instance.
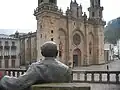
[6, 47]
[7, 57]
[13, 47]
[13, 56]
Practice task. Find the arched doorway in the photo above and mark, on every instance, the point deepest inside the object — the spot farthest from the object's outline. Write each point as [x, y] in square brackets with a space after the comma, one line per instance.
[76, 57]
[62, 45]
[91, 48]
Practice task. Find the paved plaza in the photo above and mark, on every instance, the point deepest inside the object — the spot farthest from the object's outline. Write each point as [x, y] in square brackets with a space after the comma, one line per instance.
[113, 66]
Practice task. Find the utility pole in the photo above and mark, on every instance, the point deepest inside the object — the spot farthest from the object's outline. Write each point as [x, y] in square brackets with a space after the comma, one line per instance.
[118, 50]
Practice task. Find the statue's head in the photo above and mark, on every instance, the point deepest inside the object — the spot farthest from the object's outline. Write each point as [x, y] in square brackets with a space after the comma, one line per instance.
[49, 49]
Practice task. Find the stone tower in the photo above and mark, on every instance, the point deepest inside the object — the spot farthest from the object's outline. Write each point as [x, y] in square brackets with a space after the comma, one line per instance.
[46, 14]
[95, 10]
[95, 15]
[80, 39]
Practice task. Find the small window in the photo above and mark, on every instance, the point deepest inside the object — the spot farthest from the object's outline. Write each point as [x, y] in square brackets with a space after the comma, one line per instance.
[51, 31]
[51, 39]
[52, 1]
[93, 14]
[6, 43]
[74, 23]
[99, 2]
[13, 43]
[92, 3]
[41, 35]
[40, 26]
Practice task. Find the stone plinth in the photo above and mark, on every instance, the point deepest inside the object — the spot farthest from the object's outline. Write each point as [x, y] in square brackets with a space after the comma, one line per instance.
[61, 86]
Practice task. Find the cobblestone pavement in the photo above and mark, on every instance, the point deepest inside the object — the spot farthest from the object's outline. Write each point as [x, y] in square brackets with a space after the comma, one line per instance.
[113, 66]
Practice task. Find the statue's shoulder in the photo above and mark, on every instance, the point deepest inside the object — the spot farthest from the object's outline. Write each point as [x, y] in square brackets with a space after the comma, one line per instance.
[62, 64]
[37, 63]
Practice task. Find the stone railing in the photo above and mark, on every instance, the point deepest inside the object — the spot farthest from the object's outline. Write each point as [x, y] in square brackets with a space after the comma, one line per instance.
[109, 77]
[13, 72]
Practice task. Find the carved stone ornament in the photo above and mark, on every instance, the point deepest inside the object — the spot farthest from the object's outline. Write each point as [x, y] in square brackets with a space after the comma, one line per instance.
[76, 39]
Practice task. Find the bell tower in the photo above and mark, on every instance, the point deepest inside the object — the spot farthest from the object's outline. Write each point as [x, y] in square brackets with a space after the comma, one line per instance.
[40, 2]
[46, 14]
[95, 9]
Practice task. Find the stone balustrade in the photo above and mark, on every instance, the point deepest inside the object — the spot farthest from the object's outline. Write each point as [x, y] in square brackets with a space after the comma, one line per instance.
[108, 77]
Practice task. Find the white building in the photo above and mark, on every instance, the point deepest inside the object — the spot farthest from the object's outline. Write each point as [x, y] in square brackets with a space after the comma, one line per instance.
[9, 52]
[108, 52]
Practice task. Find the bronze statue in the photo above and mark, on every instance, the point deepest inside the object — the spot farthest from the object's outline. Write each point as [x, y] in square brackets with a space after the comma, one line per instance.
[49, 70]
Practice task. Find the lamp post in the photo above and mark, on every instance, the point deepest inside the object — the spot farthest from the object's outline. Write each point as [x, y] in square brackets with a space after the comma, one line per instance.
[118, 49]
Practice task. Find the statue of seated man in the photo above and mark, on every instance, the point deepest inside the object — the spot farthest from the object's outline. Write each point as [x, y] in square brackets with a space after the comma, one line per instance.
[49, 70]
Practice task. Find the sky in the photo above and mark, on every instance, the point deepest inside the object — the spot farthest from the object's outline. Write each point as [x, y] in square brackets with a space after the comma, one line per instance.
[18, 14]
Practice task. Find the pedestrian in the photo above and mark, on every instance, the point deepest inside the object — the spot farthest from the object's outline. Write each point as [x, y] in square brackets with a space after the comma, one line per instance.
[107, 67]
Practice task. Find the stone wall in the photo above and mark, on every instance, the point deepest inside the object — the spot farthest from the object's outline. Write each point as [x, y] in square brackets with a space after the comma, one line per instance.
[61, 86]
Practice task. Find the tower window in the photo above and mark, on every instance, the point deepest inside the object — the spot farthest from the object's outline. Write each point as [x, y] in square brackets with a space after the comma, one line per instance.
[51, 31]
[41, 35]
[92, 3]
[99, 2]
[41, 1]
[93, 14]
[51, 39]
[52, 1]
[100, 14]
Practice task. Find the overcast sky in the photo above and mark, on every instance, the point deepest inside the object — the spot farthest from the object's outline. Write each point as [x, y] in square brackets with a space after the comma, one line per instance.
[18, 14]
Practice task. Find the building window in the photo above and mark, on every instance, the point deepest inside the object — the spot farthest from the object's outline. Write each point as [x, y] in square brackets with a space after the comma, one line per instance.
[93, 14]
[51, 31]
[6, 43]
[51, 39]
[13, 43]
[6, 63]
[13, 63]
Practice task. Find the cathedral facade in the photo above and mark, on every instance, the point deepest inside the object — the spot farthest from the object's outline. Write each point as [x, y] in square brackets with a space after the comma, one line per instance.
[80, 39]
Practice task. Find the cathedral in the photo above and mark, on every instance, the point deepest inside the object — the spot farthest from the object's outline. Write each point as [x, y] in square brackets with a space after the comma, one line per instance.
[80, 38]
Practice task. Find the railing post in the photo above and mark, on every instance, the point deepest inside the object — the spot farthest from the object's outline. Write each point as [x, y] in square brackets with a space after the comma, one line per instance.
[100, 77]
[92, 77]
[78, 75]
[117, 78]
[85, 77]
[108, 77]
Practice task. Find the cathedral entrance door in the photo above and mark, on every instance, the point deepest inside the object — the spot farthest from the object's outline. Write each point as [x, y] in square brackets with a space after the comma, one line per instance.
[76, 58]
